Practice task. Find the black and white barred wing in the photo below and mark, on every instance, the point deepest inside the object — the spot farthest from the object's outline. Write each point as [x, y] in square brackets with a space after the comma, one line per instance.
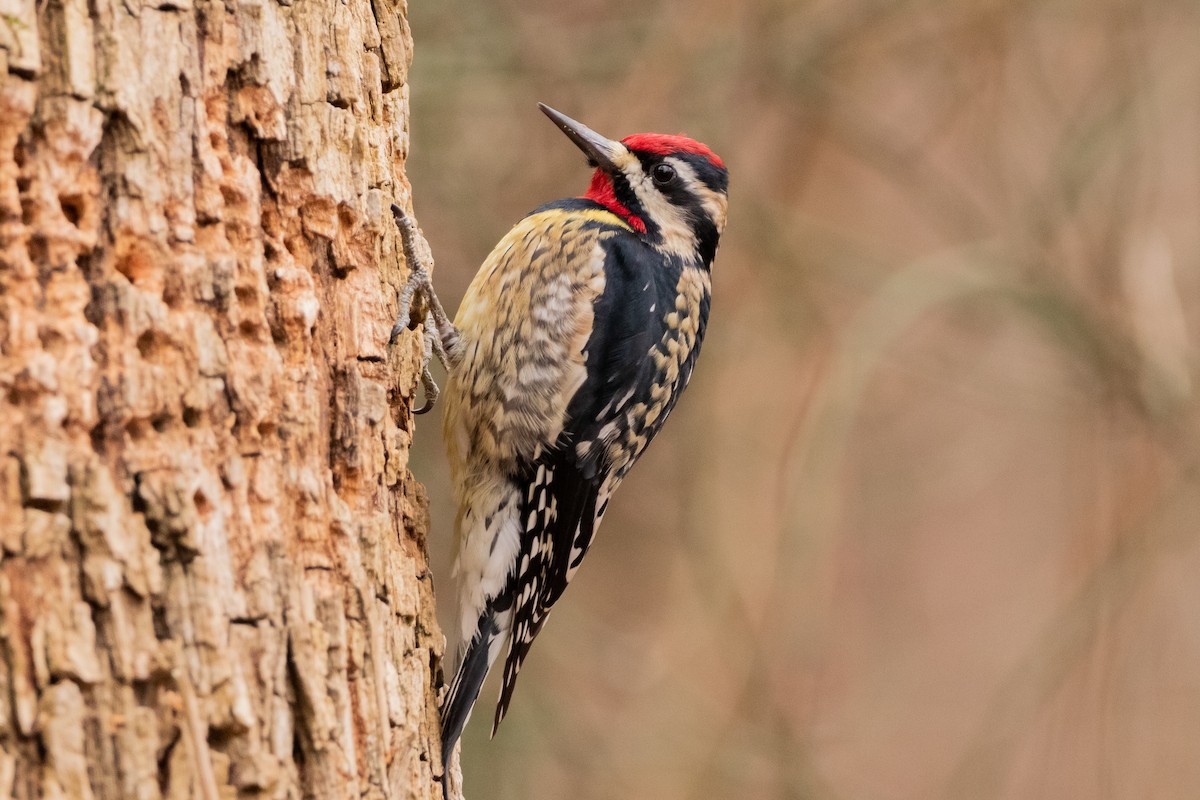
[560, 514]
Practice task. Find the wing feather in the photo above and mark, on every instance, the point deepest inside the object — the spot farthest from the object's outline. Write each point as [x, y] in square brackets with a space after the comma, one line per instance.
[569, 485]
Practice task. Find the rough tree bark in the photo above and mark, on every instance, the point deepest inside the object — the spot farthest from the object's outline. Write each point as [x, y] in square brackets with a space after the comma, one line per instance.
[213, 578]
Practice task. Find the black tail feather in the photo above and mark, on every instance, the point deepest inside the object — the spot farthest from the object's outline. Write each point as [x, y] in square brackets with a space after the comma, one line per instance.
[464, 689]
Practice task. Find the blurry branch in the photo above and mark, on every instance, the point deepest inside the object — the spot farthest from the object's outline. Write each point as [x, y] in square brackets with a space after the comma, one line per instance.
[1159, 321]
[1129, 375]
[815, 454]
[813, 464]
[1103, 127]
[902, 162]
[749, 626]
[810, 472]
[813, 461]
[1068, 638]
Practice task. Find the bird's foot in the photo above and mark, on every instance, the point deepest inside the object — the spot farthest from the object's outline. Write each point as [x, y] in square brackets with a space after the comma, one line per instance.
[419, 304]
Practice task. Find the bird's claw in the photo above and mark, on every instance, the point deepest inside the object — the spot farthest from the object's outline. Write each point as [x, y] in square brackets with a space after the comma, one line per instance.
[427, 382]
[440, 337]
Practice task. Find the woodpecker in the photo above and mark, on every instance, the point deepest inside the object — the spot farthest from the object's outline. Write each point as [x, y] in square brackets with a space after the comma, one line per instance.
[572, 345]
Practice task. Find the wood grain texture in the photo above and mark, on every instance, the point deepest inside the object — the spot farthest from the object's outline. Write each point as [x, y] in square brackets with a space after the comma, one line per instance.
[213, 580]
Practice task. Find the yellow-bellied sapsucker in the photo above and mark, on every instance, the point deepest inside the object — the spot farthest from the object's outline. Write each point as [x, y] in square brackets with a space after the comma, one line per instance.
[571, 347]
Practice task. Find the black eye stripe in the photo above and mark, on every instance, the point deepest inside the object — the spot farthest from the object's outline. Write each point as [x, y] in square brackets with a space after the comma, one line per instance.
[706, 172]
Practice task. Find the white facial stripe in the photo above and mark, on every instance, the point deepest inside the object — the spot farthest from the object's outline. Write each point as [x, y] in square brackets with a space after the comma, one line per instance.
[624, 159]
[672, 220]
[675, 226]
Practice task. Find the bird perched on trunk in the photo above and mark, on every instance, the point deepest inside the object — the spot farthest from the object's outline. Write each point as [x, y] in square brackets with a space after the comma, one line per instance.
[571, 347]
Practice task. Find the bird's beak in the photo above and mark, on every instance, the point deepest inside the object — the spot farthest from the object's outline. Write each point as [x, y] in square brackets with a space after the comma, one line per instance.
[600, 151]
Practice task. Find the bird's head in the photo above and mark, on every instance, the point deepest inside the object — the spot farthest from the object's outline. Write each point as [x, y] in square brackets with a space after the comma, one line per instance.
[670, 189]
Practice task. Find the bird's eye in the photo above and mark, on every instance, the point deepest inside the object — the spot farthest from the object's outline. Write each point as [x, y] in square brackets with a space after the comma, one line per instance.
[663, 174]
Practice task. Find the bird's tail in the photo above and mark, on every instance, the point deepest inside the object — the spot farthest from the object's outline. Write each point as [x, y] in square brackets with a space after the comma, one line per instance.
[476, 660]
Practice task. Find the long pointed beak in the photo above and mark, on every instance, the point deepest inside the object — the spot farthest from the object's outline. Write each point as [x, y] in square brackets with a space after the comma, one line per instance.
[600, 151]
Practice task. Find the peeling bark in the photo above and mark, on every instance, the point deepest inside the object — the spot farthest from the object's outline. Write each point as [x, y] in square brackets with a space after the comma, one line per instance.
[213, 579]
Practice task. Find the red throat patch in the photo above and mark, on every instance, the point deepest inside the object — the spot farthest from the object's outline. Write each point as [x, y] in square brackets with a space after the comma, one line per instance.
[664, 144]
[601, 191]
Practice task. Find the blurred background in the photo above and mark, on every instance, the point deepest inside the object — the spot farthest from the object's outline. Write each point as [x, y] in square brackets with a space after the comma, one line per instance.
[926, 524]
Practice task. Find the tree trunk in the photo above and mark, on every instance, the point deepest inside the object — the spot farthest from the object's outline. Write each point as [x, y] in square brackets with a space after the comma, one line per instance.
[213, 580]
